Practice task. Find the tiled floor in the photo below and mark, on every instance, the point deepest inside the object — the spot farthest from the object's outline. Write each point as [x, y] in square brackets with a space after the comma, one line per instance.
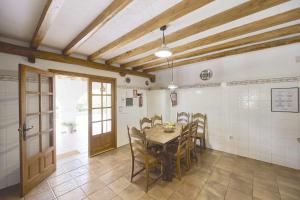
[217, 175]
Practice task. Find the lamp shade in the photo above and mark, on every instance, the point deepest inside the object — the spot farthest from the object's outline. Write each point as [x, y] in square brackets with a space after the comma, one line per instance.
[163, 52]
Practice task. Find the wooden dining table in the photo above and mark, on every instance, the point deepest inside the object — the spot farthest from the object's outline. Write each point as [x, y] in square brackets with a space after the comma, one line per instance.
[157, 135]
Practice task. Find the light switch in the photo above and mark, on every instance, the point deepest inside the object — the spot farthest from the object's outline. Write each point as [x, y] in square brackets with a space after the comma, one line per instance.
[298, 139]
[297, 59]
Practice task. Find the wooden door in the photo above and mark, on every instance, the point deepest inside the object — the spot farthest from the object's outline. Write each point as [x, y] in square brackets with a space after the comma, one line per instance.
[36, 126]
[102, 123]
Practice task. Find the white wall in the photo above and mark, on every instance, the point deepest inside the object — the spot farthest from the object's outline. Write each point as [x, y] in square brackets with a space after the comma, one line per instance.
[9, 109]
[242, 111]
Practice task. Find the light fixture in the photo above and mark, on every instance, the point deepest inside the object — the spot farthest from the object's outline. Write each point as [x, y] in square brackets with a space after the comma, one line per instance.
[172, 86]
[163, 51]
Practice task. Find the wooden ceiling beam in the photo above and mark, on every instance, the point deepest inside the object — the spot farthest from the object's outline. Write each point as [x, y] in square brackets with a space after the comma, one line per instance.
[113, 9]
[240, 11]
[294, 29]
[48, 15]
[231, 33]
[241, 50]
[28, 52]
[171, 14]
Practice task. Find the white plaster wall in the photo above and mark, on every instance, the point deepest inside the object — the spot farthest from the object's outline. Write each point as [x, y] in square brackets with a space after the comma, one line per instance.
[9, 111]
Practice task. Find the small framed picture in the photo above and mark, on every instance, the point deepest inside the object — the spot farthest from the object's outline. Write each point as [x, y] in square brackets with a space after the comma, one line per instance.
[135, 93]
[173, 97]
[285, 100]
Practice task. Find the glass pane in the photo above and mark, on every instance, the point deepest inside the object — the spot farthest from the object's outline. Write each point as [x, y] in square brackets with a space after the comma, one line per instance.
[107, 126]
[106, 113]
[32, 121]
[46, 122]
[32, 145]
[107, 88]
[32, 103]
[45, 141]
[32, 82]
[96, 88]
[46, 83]
[106, 101]
[97, 129]
[96, 116]
[96, 101]
[46, 103]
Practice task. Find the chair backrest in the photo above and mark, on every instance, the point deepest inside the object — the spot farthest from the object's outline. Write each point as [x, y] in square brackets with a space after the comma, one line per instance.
[137, 141]
[157, 120]
[201, 120]
[183, 118]
[184, 138]
[193, 128]
[145, 123]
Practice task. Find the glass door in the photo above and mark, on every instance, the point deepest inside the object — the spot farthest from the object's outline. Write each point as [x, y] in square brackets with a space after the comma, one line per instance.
[37, 127]
[101, 115]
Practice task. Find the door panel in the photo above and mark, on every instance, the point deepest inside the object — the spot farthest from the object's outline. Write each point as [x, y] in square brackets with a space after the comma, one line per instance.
[101, 115]
[37, 128]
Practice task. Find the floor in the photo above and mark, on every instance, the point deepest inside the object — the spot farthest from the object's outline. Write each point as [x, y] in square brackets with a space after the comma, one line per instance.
[217, 175]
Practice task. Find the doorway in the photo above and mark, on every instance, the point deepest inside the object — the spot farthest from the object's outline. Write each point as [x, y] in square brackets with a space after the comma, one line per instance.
[71, 116]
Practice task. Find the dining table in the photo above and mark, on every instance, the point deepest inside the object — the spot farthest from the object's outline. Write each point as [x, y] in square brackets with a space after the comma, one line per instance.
[159, 136]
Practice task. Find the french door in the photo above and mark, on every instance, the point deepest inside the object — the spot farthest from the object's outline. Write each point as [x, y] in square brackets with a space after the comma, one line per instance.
[36, 126]
[101, 115]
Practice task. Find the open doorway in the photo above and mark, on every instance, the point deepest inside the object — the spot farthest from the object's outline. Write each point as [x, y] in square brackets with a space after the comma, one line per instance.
[71, 116]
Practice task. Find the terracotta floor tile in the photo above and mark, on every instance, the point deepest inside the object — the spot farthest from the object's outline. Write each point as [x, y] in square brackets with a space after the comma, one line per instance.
[59, 179]
[119, 185]
[232, 194]
[132, 192]
[46, 195]
[160, 193]
[103, 194]
[64, 188]
[72, 195]
[93, 186]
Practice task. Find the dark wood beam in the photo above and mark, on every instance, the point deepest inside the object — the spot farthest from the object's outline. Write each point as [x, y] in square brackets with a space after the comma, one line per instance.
[294, 29]
[113, 9]
[240, 11]
[241, 50]
[28, 52]
[182, 8]
[48, 15]
[231, 33]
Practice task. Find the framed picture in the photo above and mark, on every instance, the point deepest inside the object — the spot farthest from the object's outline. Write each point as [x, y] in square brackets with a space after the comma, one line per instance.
[173, 97]
[285, 100]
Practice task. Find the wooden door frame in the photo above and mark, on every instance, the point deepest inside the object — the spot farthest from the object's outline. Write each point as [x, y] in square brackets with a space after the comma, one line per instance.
[114, 92]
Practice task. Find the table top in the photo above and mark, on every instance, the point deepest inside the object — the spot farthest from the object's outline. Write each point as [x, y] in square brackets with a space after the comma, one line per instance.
[157, 134]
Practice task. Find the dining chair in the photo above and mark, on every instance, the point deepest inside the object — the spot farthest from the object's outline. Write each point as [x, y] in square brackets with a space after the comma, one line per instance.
[192, 142]
[181, 151]
[201, 119]
[140, 155]
[157, 120]
[183, 118]
[145, 123]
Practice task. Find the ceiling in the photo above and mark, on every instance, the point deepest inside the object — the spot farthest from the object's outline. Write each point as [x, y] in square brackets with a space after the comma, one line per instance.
[19, 19]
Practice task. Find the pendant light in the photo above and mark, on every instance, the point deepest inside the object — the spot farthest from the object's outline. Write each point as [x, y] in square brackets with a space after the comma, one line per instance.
[172, 86]
[163, 51]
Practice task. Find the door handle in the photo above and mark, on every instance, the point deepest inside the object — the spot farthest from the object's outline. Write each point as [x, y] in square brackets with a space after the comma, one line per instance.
[22, 131]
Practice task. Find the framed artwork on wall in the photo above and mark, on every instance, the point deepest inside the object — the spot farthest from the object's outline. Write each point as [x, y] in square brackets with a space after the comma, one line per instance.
[173, 97]
[285, 100]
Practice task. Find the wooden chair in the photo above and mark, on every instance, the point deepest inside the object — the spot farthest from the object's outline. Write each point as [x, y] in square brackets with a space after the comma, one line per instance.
[140, 155]
[145, 123]
[183, 118]
[181, 152]
[157, 120]
[201, 120]
[192, 142]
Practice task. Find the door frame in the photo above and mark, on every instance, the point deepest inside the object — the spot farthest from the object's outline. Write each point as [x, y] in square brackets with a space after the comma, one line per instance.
[114, 92]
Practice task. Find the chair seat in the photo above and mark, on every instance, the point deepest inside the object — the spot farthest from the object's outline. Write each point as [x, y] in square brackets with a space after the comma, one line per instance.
[141, 158]
[199, 135]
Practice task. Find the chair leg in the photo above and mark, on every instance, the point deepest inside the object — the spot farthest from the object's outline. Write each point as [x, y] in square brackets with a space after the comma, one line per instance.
[132, 170]
[178, 168]
[204, 145]
[147, 178]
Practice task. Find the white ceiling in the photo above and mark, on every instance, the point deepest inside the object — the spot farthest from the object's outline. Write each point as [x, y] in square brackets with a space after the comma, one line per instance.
[19, 18]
